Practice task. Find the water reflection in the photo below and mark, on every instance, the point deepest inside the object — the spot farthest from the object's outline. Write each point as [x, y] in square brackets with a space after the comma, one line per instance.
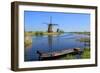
[50, 41]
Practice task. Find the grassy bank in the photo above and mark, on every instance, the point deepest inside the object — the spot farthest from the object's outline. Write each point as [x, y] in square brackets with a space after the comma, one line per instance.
[39, 33]
[68, 56]
[86, 33]
[27, 41]
[87, 40]
[85, 55]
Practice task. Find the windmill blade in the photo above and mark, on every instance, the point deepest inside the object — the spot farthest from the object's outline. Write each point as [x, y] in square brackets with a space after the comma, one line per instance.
[46, 23]
[50, 19]
[54, 24]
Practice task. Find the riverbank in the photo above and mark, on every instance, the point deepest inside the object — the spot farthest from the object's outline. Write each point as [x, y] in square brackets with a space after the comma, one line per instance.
[86, 51]
[86, 40]
[32, 33]
[27, 41]
[41, 33]
[85, 33]
[85, 55]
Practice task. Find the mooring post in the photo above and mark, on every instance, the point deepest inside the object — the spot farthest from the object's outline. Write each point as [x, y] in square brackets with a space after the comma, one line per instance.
[39, 55]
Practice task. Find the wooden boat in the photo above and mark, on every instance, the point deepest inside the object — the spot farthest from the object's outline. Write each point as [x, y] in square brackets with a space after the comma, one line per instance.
[58, 53]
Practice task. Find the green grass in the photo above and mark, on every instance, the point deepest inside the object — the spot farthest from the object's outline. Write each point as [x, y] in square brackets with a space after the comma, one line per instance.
[68, 56]
[86, 53]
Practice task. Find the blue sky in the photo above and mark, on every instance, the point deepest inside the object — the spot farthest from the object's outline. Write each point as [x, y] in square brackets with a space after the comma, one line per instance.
[69, 22]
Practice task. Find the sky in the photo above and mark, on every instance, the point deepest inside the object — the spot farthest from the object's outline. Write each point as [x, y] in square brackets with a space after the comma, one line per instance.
[68, 22]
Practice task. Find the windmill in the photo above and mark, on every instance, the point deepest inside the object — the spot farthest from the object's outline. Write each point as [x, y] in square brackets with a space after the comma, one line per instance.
[50, 25]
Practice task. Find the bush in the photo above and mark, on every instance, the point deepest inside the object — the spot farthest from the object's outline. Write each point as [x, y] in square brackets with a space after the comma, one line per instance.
[38, 33]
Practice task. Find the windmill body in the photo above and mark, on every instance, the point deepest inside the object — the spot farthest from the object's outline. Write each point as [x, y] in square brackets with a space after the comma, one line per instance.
[50, 26]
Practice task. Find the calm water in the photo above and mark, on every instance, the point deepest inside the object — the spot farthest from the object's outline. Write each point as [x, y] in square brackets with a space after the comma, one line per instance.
[52, 43]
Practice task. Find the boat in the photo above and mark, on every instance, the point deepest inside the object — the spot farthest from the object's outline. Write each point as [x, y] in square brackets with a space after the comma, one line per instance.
[46, 55]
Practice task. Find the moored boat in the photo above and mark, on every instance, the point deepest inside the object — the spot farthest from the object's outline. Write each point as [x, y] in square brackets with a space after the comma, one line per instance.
[44, 55]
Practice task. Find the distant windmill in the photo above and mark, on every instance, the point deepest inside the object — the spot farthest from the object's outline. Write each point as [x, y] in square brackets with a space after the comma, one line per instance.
[50, 25]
